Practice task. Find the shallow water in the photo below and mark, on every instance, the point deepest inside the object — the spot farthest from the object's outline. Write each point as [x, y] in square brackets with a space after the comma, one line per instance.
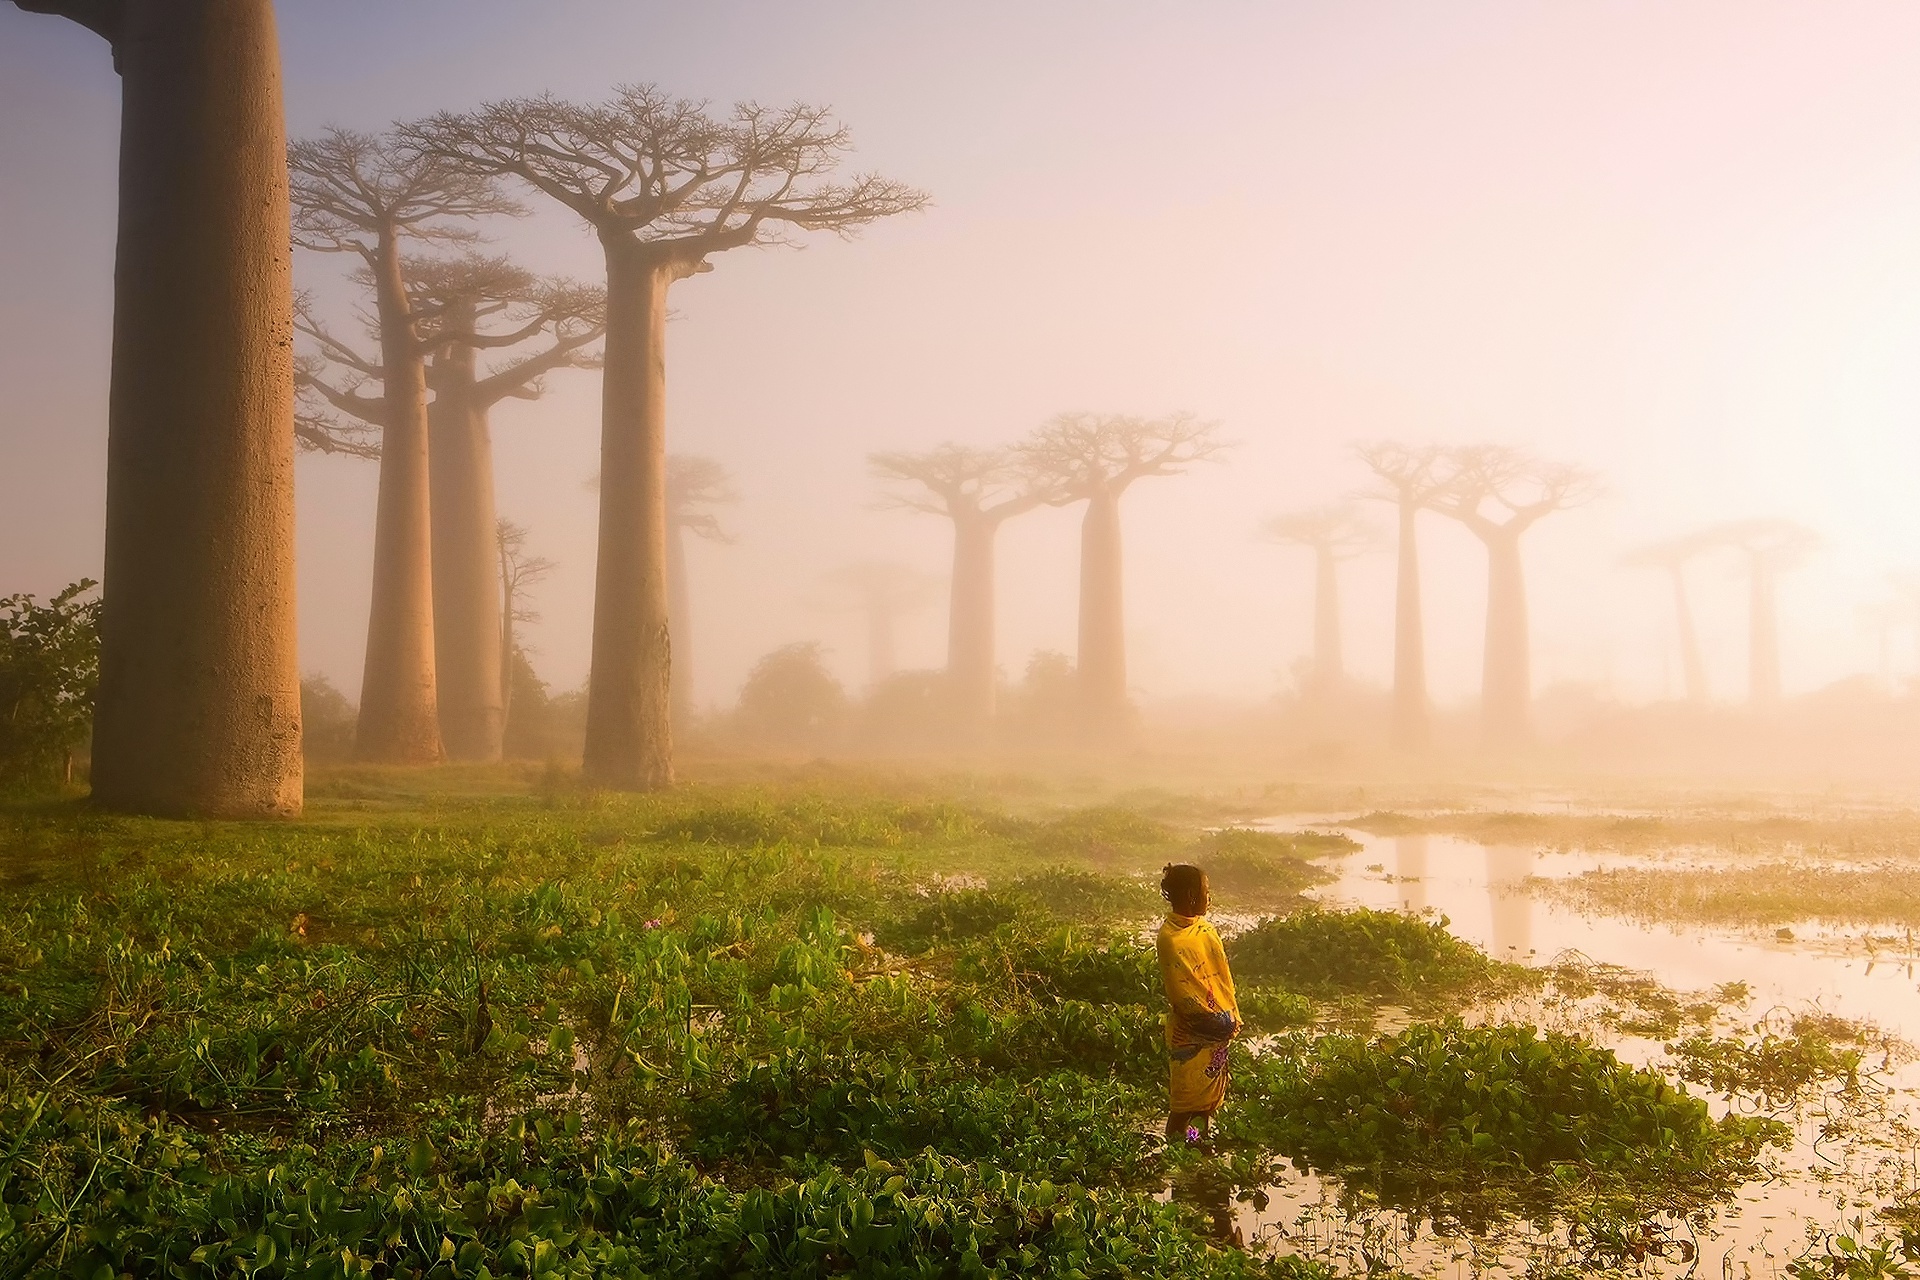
[1482, 891]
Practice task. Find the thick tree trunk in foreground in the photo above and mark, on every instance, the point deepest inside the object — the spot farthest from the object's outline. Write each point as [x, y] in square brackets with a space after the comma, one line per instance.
[970, 623]
[1506, 681]
[199, 701]
[1328, 668]
[1763, 647]
[1412, 729]
[1692, 666]
[629, 731]
[680, 627]
[468, 662]
[399, 718]
[1103, 644]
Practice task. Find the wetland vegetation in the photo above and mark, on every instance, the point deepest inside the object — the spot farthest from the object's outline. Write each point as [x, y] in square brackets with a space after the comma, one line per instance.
[790, 1027]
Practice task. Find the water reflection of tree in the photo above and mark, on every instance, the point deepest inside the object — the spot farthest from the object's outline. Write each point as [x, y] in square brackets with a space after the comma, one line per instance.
[1410, 870]
[1508, 866]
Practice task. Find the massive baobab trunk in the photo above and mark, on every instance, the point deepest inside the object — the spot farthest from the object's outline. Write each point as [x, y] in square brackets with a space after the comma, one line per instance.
[1693, 667]
[970, 620]
[1412, 725]
[198, 710]
[1103, 642]
[1506, 681]
[399, 715]
[1763, 642]
[469, 664]
[629, 706]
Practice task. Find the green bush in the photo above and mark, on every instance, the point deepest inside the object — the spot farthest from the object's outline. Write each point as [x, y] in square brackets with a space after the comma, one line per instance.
[49, 668]
[1380, 954]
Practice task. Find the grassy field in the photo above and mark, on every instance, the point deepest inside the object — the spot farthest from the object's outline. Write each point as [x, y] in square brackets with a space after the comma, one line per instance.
[468, 1023]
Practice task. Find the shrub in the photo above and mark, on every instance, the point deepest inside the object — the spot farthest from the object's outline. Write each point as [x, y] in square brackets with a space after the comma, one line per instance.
[49, 669]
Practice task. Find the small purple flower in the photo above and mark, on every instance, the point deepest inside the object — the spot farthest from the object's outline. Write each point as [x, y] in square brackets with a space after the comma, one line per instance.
[1193, 1133]
[652, 924]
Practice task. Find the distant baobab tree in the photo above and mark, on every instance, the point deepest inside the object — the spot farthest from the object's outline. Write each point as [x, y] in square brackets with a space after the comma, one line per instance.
[664, 184]
[519, 574]
[1333, 534]
[1499, 494]
[695, 486]
[978, 490]
[198, 709]
[884, 591]
[1095, 458]
[1673, 555]
[1772, 546]
[1879, 618]
[1410, 479]
[534, 327]
[358, 194]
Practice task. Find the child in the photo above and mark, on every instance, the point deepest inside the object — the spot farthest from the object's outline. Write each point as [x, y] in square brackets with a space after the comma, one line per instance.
[1202, 1013]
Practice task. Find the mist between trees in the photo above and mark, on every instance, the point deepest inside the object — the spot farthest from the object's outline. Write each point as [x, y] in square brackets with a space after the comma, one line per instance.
[220, 369]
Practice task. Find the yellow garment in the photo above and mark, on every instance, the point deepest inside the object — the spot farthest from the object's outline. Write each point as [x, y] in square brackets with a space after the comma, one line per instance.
[1193, 968]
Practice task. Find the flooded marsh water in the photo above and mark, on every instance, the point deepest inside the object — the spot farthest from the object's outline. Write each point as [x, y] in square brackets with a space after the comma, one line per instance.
[1853, 1153]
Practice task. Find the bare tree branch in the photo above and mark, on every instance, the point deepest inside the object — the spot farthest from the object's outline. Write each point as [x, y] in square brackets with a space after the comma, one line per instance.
[693, 485]
[1076, 455]
[665, 174]
[1339, 530]
[959, 482]
[1514, 484]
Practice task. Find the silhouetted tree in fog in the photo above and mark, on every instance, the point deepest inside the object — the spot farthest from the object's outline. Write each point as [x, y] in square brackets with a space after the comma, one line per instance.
[694, 487]
[519, 574]
[1333, 534]
[358, 194]
[462, 306]
[198, 709]
[1771, 548]
[1095, 458]
[978, 490]
[884, 591]
[1409, 479]
[1673, 556]
[665, 185]
[1498, 494]
[536, 326]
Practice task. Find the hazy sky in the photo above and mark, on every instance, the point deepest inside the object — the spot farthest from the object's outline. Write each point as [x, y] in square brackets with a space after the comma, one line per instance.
[1678, 243]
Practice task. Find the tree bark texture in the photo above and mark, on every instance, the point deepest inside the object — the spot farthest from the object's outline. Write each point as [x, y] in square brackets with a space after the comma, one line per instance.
[1103, 641]
[1763, 644]
[1506, 681]
[399, 717]
[468, 663]
[199, 702]
[680, 627]
[970, 622]
[1328, 668]
[1692, 666]
[1412, 727]
[629, 731]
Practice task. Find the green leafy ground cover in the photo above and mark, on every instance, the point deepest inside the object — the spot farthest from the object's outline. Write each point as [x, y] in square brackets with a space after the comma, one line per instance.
[730, 1031]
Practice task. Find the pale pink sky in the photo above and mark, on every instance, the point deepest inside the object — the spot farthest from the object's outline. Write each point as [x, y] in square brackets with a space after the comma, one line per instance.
[1679, 243]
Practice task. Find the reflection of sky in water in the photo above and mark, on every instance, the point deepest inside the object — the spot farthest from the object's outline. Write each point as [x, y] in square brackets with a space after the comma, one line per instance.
[1482, 891]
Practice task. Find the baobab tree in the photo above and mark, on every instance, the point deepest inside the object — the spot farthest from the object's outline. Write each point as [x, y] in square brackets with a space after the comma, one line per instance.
[1498, 494]
[694, 487]
[463, 306]
[519, 574]
[884, 591]
[198, 708]
[1333, 534]
[533, 327]
[1673, 555]
[358, 194]
[1409, 479]
[665, 185]
[1095, 458]
[978, 490]
[1771, 546]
